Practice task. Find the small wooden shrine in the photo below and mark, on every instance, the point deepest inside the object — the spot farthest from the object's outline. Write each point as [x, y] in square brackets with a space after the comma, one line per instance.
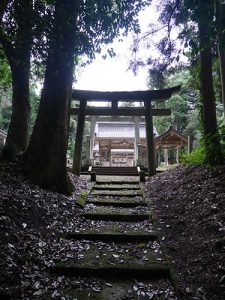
[170, 141]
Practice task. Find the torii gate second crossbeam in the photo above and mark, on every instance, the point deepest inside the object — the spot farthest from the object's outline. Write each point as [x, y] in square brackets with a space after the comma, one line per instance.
[114, 97]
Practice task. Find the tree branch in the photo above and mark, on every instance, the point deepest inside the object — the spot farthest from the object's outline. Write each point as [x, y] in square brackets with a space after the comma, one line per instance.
[6, 44]
[3, 6]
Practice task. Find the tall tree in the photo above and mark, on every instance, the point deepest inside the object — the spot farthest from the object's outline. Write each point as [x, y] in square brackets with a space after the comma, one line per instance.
[47, 149]
[79, 28]
[207, 89]
[219, 7]
[195, 21]
[16, 40]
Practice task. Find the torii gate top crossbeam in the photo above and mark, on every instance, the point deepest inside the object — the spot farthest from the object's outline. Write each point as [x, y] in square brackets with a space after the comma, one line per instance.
[137, 96]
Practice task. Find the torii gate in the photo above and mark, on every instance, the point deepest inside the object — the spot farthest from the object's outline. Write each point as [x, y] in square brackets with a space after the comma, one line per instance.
[114, 97]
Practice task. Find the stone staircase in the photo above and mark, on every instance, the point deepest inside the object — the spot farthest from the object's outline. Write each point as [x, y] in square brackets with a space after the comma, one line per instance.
[122, 247]
[121, 171]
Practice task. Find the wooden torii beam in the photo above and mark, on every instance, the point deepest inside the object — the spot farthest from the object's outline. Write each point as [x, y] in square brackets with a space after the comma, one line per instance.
[114, 97]
[131, 96]
[128, 111]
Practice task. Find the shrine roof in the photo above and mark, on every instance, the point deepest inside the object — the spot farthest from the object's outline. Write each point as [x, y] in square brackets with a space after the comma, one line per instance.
[171, 136]
[119, 130]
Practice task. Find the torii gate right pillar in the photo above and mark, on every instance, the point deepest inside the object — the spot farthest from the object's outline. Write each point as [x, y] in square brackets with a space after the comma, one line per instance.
[150, 138]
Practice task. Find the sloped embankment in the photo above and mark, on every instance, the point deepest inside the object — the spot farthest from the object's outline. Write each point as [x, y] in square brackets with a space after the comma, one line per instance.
[189, 205]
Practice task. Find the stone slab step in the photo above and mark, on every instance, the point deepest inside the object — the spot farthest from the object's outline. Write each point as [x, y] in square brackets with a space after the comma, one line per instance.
[116, 217]
[117, 193]
[124, 289]
[117, 182]
[116, 187]
[115, 198]
[113, 237]
[128, 260]
[120, 171]
[116, 203]
[157, 270]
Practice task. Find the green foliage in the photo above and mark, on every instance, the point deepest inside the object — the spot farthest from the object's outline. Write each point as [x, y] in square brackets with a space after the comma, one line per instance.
[5, 92]
[5, 74]
[82, 199]
[209, 153]
[34, 104]
[182, 105]
[196, 157]
[213, 153]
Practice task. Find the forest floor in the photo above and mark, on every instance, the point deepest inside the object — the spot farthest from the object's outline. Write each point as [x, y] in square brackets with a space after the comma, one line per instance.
[189, 208]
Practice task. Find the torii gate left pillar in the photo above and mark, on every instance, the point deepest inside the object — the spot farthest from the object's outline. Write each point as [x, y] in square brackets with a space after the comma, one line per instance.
[79, 139]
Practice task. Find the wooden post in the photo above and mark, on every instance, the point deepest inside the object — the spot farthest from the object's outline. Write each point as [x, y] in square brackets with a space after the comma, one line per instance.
[190, 144]
[177, 155]
[150, 138]
[88, 149]
[159, 158]
[79, 139]
[93, 176]
[136, 139]
[114, 105]
[92, 136]
[142, 176]
[166, 159]
[110, 153]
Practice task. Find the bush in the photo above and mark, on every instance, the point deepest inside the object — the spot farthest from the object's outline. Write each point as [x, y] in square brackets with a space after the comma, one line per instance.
[196, 157]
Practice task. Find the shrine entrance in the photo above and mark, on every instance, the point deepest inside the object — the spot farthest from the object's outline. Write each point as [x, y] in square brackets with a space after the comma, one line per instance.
[117, 142]
[128, 156]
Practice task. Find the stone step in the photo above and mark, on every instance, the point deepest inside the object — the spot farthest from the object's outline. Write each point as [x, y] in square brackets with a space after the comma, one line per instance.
[116, 203]
[117, 182]
[116, 187]
[117, 193]
[124, 289]
[116, 216]
[108, 236]
[141, 227]
[133, 271]
[128, 260]
[120, 171]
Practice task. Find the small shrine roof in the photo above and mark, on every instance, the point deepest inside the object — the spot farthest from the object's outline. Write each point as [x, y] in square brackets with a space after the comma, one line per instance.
[171, 137]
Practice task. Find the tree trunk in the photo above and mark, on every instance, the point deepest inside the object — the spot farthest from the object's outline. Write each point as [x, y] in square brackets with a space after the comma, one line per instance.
[221, 53]
[220, 20]
[47, 150]
[212, 146]
[18, 133]
[18, 54]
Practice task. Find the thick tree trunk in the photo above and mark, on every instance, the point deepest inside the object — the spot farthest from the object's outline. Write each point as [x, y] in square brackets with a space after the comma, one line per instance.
[212, 146]
[47, 150]
[18, 54]
[221, 52]
[220, 21]
[18, 133]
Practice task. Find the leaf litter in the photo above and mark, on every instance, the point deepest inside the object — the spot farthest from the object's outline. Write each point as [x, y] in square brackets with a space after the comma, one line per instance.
[33, 224]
